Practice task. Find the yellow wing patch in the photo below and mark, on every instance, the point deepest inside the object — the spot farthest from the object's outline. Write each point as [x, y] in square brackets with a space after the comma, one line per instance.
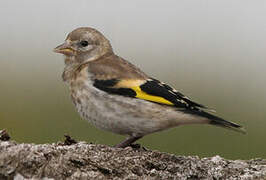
[129, 83]
[134, 85]
[142, 95]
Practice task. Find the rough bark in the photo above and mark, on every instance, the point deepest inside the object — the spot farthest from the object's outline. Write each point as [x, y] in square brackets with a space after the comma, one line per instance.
[71, 160]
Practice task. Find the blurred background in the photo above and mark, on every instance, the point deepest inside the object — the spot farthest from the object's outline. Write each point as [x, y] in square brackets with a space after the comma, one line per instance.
[213, 51]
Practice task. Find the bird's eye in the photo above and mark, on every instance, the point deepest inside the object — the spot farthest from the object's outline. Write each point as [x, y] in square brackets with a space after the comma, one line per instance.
[84, 43]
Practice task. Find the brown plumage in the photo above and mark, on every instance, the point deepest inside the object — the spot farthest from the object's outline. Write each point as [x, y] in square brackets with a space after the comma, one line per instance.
[115, 95]
[113, 66]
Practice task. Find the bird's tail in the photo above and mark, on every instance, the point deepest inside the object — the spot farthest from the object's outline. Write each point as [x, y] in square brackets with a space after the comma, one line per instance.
[217, 121]
[229, 125]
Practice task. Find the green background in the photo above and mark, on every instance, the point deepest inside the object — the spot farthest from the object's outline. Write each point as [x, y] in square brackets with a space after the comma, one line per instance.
[212, 51]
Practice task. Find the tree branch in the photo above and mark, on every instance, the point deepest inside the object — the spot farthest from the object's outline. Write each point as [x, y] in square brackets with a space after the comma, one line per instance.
[90, 161]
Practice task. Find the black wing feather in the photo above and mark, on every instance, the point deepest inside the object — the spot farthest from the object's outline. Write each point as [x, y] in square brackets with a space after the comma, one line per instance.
[106, 85]
[152, 87]
[157, 88]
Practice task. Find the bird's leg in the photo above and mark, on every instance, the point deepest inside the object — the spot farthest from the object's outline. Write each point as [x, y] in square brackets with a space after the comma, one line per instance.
[128, 141]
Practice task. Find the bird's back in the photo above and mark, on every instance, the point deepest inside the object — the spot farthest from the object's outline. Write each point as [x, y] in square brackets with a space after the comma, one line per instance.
[114, 67]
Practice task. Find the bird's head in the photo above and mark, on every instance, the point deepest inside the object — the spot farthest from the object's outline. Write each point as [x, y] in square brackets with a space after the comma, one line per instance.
[83, 45]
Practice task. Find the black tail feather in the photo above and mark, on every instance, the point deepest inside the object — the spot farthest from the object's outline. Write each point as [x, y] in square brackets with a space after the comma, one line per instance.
[217, 121]
[229, 125]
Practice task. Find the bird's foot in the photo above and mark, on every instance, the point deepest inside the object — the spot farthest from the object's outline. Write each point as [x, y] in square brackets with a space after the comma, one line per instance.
[128, 142]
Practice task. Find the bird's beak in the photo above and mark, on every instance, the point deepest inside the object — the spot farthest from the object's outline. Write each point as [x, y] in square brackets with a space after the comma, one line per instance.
[65, 49]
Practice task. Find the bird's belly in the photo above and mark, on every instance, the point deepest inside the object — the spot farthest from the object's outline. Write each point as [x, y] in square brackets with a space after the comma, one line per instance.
[119, 114]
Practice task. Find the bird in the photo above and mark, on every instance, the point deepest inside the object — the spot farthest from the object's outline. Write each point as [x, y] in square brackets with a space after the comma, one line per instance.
[115, 95]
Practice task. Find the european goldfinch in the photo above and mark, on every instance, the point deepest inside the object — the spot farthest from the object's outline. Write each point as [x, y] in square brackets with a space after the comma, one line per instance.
[116, 96]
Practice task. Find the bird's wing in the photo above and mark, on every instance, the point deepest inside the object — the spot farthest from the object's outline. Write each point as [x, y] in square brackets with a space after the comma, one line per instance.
[158, 92]
[149, 90]
[115, 75]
